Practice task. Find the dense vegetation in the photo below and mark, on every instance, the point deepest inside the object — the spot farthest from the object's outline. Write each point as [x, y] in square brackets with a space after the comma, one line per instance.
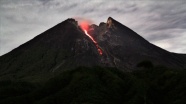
[148, 85]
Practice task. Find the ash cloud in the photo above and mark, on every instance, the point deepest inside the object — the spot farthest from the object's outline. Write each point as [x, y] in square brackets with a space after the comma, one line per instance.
[160, 22]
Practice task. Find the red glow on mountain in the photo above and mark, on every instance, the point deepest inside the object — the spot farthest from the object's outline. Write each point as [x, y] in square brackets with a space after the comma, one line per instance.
[84, 25]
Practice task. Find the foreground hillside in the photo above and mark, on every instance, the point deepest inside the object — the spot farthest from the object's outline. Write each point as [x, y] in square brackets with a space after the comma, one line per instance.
[83, 85]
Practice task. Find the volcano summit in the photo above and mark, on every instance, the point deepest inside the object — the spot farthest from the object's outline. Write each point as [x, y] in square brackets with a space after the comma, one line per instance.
[68, 45]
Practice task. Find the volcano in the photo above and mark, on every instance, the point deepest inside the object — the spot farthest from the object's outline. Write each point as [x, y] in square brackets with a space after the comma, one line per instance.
[75, 63]
[67, 46]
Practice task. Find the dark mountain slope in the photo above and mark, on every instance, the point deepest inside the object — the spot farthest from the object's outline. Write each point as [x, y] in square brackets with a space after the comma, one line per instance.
[63, 45]
[126, 48]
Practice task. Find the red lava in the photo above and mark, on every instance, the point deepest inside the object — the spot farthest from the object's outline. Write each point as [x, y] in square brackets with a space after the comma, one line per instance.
[84, 25]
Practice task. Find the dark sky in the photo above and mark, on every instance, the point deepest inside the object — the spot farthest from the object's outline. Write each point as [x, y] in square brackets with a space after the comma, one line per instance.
[163, 23]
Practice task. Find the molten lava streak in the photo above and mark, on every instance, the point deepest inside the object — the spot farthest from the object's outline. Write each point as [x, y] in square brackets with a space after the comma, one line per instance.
[84, 26]
[99, 50]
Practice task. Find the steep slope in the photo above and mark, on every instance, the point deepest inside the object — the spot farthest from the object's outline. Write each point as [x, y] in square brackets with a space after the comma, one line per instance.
[65, 45]
[125, 48]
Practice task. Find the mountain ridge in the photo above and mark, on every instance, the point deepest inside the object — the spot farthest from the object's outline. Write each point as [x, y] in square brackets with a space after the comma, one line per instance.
[66, 46]
[134, 42]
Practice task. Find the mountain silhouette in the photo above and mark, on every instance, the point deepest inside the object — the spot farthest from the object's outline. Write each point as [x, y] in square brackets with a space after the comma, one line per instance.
[66, 46]
[75, 63]
[125, 48]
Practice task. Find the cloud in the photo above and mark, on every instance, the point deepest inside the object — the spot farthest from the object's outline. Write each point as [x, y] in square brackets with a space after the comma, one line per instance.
[160, 22]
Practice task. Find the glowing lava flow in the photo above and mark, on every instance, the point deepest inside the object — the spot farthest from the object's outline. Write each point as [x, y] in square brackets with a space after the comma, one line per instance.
[99, 50]
[84, 26]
